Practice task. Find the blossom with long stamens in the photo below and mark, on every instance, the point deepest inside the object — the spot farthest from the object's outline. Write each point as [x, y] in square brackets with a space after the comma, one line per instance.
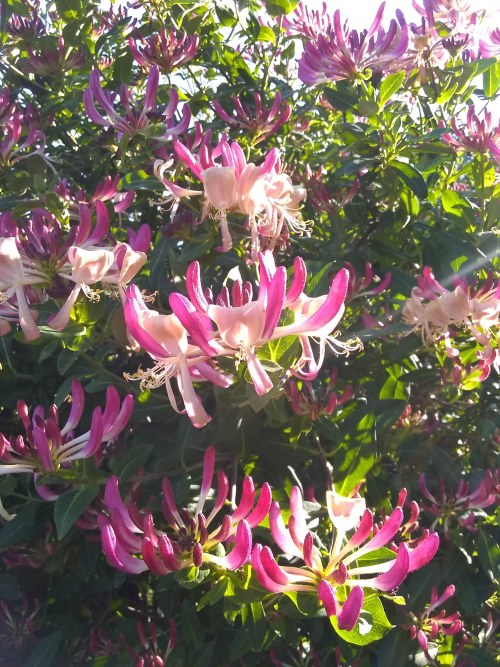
[341, 53]
[132, 542]
[168, 49]
[131, 121]
[261, 192]
[307, 22]
[430, 625]
[462, 504]
[306, 401]
[330, 572]
[440, 314]
[48, 447]
[259, 121]
[54, 60]
[18, 145]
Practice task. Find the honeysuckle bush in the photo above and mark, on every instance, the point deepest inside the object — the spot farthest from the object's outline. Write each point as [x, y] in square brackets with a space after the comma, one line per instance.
[249, 303]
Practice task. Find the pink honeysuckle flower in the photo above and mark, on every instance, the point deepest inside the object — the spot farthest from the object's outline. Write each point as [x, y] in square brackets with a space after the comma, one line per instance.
[260, 192]
[307, 22]
[133, 121]
[14, 278]
[429, 625]
[48, 447]
[259, 121]
[477, 136]
[456, 15]
[166, 340]
[461, 505]
[29, 29]
[167, 49]
[21, 139]
[490, 47]
[342, 564]
[306, 401]
[54, 60]
[341, 53]
[358, 286]
[132, 543]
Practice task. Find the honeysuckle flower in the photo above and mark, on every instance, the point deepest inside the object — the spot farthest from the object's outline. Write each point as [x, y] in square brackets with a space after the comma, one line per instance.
[29, 29]
[259, 121]
[152, 656]
[307, 22]
[131, 121]
[478, 135]
[168, 49]
[16, 144]
[166, 340]
[456, 15]
[358, 285]
[490, 47]
[54, 61]
[461, 505]
[14, 277]
[305, 399]
[429, 625]
[330, 572]
[261, 192]
[341, 53]
[48, 447]
[132, 543]
[468, 307]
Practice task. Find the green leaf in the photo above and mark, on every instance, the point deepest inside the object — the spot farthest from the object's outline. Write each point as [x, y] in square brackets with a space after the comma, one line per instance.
[491, 80]
[410, 177]
[19, 529]
[125, 466]
[453, 202]
[375, 616]
[65, 359]
[488, 551]
[393, 650]
[266, 34]
[192, 632]
[45, 651]
[340, 100]
[71, 505]
[280, 7]
[390, 86]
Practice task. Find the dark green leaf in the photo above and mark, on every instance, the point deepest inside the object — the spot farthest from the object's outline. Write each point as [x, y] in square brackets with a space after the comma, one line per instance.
[71, 505]
[45, 651]
[410, 176]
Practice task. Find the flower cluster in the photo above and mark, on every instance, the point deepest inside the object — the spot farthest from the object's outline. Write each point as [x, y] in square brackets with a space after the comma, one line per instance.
[39, 261]
[340, 53]
[129, 120]
[307, 401]
[477, 136]
[340, 573]
[132, 542]
[48, 447]
[440, 314]
[185, 343]
[21, 134]
[463, 504]
[260, 122]
[167, 49]
[260, 192]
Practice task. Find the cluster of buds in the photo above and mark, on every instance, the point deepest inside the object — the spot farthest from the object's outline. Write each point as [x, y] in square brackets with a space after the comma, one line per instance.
[260, 192]
[362, 285]
[54, 61]
[32, 557]
[133, 544]
[151, 656]
[28, 29]
[477, 136]
[440, 314]
[39, 261]
[106, 190]
[260, 122]
[147, 120]
[21, 133]
[340, 53]
[167, 49]
[48, 447]
[463, 504]
[186, 343]
[430, 625]
[18, 623]
[345, 565]
[306, 402]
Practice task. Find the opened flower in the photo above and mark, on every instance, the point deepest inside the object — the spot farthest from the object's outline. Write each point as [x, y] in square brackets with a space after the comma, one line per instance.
[340, 573]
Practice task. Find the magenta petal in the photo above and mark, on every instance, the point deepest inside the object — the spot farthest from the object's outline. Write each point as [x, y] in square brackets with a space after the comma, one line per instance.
[275, 301]
[393, 577]
[151, 89]
[77, 406]
[167, 553]
[133, 305]
[122, 418]
[327, 596]
[272, 569]
[222, 491]
[194, 287]
[261, 508]
[111, 407]
[240, 552]
[198, 327]
[308, 550]
[387, 532]
[151, 558]
[351, 609]
[95, 435]
[42, 448]
[261, 381]
[363, 531]
[246, 501]
[208, 473]
[298, 282]
[280, 534]
[423, 552]
[130, 541]
[116, 555]
[113, 501]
